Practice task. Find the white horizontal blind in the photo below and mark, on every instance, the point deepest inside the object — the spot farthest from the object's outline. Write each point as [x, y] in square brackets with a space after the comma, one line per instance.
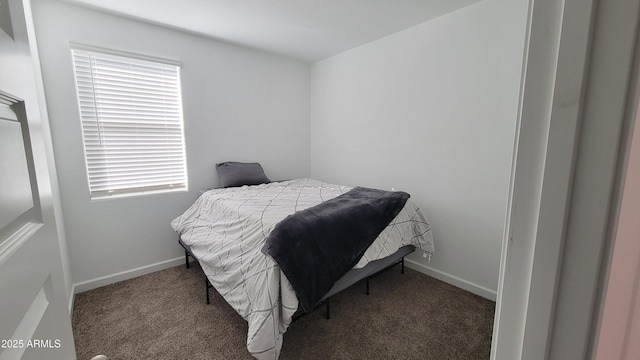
[132, 124]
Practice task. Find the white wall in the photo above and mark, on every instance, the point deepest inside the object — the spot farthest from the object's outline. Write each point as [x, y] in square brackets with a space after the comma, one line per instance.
[239, 104]
[431, 110]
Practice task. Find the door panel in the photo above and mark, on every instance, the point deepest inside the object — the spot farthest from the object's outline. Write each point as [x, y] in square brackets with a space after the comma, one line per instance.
[34, 316]
[14, 172]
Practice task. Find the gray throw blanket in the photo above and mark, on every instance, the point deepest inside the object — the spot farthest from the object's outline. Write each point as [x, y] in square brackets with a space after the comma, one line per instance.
[315, 247]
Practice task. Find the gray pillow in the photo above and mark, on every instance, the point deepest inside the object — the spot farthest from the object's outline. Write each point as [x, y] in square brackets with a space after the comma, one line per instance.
[233, 174]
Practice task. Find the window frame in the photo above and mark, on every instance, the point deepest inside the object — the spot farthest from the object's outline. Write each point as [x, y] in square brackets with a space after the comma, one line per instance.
[99, 193]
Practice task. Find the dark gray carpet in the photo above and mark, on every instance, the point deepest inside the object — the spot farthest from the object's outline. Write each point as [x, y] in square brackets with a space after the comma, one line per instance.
[164, 316]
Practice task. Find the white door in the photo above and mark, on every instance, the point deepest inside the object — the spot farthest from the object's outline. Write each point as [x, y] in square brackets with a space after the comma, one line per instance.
[34, 315]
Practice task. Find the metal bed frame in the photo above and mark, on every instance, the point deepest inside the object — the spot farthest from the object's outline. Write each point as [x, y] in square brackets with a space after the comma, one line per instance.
[367, 272]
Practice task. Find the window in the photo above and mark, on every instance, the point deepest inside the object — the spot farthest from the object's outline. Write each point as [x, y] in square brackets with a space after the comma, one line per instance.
[132, 126]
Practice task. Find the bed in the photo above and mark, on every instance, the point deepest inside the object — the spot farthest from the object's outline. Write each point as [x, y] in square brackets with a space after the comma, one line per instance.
[228, 231]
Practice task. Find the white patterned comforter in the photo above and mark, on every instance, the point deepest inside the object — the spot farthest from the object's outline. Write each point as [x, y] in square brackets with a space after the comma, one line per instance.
[226, 229]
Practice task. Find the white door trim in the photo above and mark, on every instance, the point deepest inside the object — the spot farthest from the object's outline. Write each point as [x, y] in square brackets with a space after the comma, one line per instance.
[572, 111]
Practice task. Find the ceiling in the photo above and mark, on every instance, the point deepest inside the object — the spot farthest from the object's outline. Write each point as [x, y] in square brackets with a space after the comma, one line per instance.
[309, 30]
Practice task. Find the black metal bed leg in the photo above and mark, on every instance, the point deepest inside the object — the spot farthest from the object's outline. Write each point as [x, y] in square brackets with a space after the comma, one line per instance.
[186, 259]
[402, 266]
[328, 308]
[207, 286]
[367, 281]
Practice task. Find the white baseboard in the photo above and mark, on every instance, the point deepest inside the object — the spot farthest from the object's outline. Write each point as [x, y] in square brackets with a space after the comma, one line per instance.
[147, 269]
[124, 275]
[453, 280]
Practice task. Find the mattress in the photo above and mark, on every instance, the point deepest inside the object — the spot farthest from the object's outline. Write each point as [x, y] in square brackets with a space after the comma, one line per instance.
[225, 230]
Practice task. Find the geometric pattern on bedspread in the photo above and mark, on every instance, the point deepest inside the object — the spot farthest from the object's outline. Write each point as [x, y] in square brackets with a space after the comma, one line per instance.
[226, 229]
